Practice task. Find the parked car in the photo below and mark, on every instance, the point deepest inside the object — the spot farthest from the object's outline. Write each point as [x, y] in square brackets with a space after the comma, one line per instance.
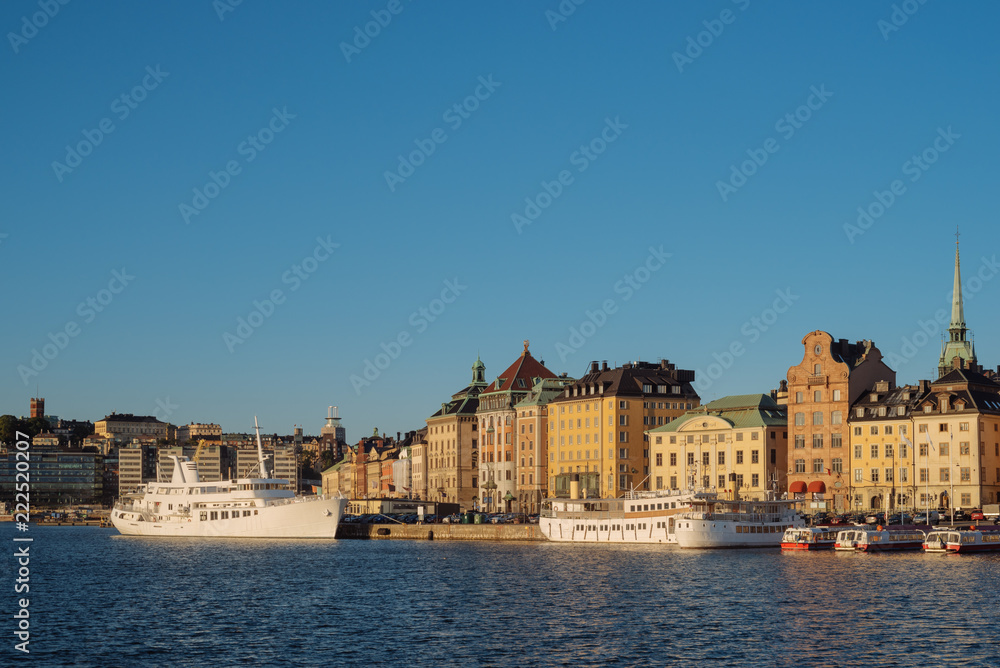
[977, 515]
[875, 518]
[921, 518]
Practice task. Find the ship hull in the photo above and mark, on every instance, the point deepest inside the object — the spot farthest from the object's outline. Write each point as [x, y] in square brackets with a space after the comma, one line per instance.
[307, 518]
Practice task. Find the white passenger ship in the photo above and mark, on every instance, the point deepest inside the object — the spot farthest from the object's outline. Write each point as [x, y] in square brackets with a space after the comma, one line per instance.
[713, 523]
[639, 517]
[880, 539]
[242, 508]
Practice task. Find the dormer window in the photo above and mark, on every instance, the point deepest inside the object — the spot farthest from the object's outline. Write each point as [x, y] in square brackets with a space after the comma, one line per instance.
[873, 397]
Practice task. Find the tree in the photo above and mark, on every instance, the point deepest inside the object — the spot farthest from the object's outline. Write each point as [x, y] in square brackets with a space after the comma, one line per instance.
[8, 428]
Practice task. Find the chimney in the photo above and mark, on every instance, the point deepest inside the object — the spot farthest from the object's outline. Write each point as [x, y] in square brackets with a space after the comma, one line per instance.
[604, 365]
[397, 436]
[593, 367]
[925, 385]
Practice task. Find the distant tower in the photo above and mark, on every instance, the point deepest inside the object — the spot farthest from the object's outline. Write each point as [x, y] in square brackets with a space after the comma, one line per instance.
[957, 352]
[297, 432]
[333, 427]
[38, 407]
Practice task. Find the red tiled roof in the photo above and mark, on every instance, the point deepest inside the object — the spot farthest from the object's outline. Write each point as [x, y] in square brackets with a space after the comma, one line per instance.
[524, 367]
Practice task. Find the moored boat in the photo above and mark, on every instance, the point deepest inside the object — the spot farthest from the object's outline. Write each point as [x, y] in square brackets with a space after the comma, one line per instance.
[717, 523]
[880, 539]
[243, 508]
[964, 541]
[809, 538]
[638, 517]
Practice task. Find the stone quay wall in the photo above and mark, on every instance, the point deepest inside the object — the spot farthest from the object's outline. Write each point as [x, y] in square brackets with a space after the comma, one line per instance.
[506, 532]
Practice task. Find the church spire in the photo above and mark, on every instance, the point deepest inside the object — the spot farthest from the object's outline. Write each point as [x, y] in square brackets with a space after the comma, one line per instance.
[957, 310]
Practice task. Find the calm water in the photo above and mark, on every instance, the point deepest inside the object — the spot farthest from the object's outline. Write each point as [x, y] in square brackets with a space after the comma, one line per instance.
[98, 599]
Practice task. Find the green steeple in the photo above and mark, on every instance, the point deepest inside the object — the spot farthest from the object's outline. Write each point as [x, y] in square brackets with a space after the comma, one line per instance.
[957, 345]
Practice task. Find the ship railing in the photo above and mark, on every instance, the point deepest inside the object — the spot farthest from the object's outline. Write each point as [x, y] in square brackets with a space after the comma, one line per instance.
[581, 515]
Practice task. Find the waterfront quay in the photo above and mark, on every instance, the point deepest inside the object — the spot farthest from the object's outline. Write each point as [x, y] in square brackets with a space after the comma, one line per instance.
[460, 532]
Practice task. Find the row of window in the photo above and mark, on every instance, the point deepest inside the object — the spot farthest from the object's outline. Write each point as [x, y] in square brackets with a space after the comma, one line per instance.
[706, 481]
[817, 394]
[720, 438]
[836, 441]
[223, 514]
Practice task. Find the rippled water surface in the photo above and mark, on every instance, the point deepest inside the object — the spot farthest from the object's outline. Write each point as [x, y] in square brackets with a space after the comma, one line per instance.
[99, 599]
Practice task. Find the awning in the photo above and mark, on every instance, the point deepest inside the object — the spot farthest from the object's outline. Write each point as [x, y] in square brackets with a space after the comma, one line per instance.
[797, 487]
[817, 487]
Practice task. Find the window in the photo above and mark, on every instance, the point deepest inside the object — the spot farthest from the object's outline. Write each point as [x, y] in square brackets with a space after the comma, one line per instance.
[622, 420]
[798, 397]
[836, 395]
[705, 460]
[622, 453]
[673, 462]
[874, 450]
[904, 474]
[817, 466]
[923, 449]
[965, 475]
[963, 426]
[837, 417]
[944, 474]
[857, 431]
[924, 477]
[755, 456]
[722, 459]
[888, 429]
[873, 430]
[922, 429]
[739, 456]
[818, 396]
[659, 462]
[836, 440]
[818, 417]
[817, 369]
[942, 426]
[623, 437]
[963, 448]
[857, 451]
[943, 449]
[817, 440]
[800, 441]
[857, 476]
[800, 466]
[966, 499]
[739, 436]
[623, 405]
[902, 450]
[800, 419]
[838, 465]
[755, 480]
[673, 482]
[659, 482]
[888, 474]
[690, 459]
[874, 473]
[888, 451]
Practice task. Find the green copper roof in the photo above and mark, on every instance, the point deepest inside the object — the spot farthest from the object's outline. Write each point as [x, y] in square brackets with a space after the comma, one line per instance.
[742, 411]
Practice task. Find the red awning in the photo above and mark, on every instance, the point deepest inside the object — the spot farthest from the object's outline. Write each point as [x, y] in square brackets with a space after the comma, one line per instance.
[797, 487]
[817, 486]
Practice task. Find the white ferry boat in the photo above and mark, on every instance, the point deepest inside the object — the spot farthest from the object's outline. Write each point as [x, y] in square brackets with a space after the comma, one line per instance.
[639, 517]
[972, 539]
[880, 539]
[809, 538]
[243, 508]
[713, 523]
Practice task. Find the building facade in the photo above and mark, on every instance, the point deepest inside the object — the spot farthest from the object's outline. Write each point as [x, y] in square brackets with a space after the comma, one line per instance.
[498, 431]
[533, 442]
[597, 426]
[453, 445]
[734, 446]
[821, 389]
[195, 431]
[125, 426]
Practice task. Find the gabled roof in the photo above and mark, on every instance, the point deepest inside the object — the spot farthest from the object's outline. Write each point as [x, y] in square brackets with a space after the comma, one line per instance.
[628, 380]
[520, 376]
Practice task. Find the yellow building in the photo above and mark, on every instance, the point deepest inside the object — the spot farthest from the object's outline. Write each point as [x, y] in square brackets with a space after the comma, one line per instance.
[452, 451]
[597, 426]
[957, 430]
[532, 442]
[125, 427]
[881, 474]
[735, 445]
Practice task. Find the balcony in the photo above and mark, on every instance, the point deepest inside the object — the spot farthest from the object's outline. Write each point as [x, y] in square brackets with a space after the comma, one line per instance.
[816, 379]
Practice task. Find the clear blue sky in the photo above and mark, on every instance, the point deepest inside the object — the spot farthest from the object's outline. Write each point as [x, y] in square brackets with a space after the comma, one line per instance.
[677, 127]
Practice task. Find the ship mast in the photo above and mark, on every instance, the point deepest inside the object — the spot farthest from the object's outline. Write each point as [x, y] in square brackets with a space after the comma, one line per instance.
[260, 451]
